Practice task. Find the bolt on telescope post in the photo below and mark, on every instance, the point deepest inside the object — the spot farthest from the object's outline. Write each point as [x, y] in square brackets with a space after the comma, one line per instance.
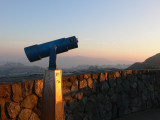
[53, 108]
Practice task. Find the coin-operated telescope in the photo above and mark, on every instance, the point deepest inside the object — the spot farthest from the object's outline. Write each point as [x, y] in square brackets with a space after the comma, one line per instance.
[37, 52]
[53, 108]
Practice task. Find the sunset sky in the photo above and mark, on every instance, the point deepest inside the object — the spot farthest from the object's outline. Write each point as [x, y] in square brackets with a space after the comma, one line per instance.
[112, 29]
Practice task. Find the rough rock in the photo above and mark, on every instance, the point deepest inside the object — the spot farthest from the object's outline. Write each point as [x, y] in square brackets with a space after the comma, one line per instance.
[67, 84]
[5, 91]
[17, 92]
[80, 77]
[74, 86]
[102, 77]
[3, 116]
[111, 75]
[82, 84]
[30, 101]
[117, 74]
[38, 87]
[34, 116]
[66, 90]
[106, 75]
[104, 87]
[95, 76]
[38, 111]
[90, 83]
[112, 82]
[72, 78]
[108, 106]
[86, 76]
[13, 109]
[25, 114]
[79, 96]
[27, 88]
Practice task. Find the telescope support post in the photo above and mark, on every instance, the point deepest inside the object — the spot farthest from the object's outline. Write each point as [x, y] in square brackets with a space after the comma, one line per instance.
[52, 59]
[53, 107]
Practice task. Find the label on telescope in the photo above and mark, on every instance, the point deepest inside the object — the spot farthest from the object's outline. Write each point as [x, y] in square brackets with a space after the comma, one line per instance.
[59, 108]
[58, 80]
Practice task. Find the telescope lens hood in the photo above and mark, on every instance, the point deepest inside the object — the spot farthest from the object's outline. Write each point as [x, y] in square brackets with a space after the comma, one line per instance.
[32, 53]
[73, 42]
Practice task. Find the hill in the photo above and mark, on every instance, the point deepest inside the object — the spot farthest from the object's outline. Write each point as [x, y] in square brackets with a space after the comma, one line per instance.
[152, 62]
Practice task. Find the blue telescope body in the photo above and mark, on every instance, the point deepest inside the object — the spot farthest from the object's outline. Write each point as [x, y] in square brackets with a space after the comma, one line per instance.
[37, 52]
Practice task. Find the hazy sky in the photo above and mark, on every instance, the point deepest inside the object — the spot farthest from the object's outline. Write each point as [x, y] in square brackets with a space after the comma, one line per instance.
[111, 29]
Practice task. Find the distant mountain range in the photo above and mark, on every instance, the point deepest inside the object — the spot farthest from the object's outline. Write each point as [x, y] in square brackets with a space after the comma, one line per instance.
[76, 65]
[150, 63]
[18, 69]
[82, 69]
[65, 61]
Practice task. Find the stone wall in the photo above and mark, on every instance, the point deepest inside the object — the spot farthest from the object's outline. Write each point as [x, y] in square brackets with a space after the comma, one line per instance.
[101, 96]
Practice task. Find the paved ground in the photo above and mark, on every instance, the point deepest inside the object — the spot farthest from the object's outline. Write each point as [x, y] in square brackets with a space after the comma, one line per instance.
[153, 114]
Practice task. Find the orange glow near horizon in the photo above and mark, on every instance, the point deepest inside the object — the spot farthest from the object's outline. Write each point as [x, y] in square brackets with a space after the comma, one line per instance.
[112, 52]
[135, 55]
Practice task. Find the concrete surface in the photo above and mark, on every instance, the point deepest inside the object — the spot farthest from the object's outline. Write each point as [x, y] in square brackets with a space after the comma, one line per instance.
[152, 114]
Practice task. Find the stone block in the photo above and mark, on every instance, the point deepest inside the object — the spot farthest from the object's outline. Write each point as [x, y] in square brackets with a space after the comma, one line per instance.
[38, 111]
[86, 76]
[112, 82]
[38, 87]
[67, 84]
[127, 72]
[126, 85]
[102, 77]
[117, 74]
[80, 77]
[106, 75]
[82, 84]
[17, 92]
[3, 115]
[25, 114]
[30, 101]
[111, 75]
[79, 96]
[34, 116]
[90, 83]
[65, 78]
[13, 109]
[135, 109]
[108, 106]
[133, 85]
[5, 91]
[95, 76]
[74, 85]
[104, 87]
[67, 98]
[66, 90]
[72, 78]
[100, 97]
[27, 88]
[114, 98]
